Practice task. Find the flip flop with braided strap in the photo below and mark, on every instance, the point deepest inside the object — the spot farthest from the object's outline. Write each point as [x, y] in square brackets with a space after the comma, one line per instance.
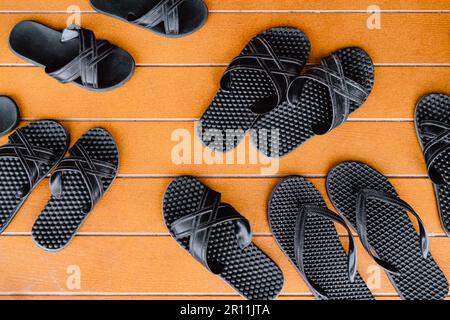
[303, 227]
[370, 204]
[169, 18]
[77, 184]
[432, 121]
[219, 238]
[29, 156]
[73, 55]
[319, 100]
[255, 83]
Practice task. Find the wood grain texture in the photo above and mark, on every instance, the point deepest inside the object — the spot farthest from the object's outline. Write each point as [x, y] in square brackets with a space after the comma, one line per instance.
[32, 5]
[185, 92]
[148, 265]
[391, 147]
[422, 38]
[134, 206]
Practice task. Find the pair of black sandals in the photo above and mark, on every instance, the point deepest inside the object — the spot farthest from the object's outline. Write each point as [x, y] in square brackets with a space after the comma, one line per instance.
[77, 182]
[74, 55]
[220, 238]
[268, 92]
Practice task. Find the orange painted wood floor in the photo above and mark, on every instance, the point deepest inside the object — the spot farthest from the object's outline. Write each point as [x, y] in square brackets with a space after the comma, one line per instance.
[123, 250]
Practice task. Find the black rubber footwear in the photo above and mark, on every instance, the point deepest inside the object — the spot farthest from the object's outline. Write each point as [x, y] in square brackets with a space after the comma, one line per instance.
[255, 82]
[73, 55]
[219, 238]
[432, 120]
[9, 115]
[77, 185]
[371, 205]
[318, 101]
[32, 152]
[303, 227]
[169, 18]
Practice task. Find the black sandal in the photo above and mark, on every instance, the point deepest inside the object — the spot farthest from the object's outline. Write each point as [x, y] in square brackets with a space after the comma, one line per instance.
[73, 55]
[169, 18]
[77, 185]
[432, 121]
[255, 82]
[370, 204]
[320, 100]
[218, 237]
[9, 115]
[32, 152]
[303, 227]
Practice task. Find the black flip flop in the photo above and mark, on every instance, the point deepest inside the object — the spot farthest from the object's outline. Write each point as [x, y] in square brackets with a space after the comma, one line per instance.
[169, 18]
[303, 227]
[77, 185]
[9, 115]
[370, 204]
[432, 121]
[318, 101]
[32, 152]
[73, 55]
[218, 237]
[255, 82]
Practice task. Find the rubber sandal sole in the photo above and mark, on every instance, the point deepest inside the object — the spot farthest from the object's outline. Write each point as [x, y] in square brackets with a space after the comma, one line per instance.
[325, 260]
[437, 107]
[389, 230]
[62, 216]
[13, 177]
[230, 110]
[193, 14]
[9, 115]
[249, 271]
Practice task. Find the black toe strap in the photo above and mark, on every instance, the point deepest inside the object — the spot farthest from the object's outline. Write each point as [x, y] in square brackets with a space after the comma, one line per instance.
[260, 56]
[198, 225]
[30, 156]
[166, 11]
[85, 65]
[91, 170]
[438, 136]
[341, 88]
[361, 223]
[299, 242]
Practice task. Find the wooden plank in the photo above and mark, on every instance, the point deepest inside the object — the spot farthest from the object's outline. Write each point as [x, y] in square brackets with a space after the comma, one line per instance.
[135, 205]
[146, 148]
[406, 38]
[151, 95]
[30, 5]
[149, 265]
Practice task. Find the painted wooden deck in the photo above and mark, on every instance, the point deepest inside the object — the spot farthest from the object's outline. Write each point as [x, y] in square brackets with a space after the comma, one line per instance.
[124, 250]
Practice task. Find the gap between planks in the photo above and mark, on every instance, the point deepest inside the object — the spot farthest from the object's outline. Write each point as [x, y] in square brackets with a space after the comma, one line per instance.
[344, 11]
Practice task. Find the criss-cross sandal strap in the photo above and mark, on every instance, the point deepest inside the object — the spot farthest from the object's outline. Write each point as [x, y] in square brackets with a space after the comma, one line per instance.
[166, 11]
[30, 156]
[197, 226]
[91, 170]
[438, 136]
[364, 196]
[299, 242]
[85, 65]
[260, 56]
[341, 88]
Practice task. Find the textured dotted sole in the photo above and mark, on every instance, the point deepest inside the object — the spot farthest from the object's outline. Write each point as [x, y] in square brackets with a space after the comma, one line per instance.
[229, 110]
[62, 217]
[324, 259]
[436, 107]
[294, 122]
[249, 271]
[389, 230]
[13, 177]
